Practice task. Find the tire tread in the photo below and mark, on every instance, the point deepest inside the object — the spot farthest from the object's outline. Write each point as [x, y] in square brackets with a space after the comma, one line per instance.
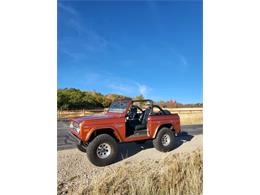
[157, 141]
[91, 150]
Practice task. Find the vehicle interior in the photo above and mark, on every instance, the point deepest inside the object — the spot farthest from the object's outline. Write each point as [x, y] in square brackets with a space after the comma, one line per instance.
[137, 117]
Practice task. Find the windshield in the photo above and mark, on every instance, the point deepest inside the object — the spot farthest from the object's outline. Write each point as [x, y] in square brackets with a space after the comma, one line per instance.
[118, 107]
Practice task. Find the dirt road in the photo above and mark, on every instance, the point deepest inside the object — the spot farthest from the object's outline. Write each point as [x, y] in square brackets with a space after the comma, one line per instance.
[75, 172]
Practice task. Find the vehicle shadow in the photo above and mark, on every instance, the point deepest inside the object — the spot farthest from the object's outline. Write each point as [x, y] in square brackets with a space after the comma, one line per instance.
[127, 150]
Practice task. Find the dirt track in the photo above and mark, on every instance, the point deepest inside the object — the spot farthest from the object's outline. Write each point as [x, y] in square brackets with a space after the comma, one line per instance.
[75, 171]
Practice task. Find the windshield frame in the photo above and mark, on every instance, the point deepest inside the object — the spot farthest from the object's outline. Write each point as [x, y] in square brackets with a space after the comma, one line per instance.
[123, 109]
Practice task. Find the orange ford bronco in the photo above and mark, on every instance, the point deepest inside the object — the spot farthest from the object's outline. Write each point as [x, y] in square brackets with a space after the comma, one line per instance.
[126, 120]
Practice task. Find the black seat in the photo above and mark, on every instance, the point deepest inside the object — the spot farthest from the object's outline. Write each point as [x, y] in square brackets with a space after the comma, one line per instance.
[144, 119]
[132, 113]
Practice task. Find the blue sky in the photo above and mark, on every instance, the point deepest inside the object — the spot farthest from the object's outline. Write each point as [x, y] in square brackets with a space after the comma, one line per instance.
[152, 48]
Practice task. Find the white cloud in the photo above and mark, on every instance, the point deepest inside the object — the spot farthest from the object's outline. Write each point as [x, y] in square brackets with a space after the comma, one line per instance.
[116, 84]
[183, 60]
[142, 89]
[85, 40]
[128, 87]
[68, 9]
[120, 87]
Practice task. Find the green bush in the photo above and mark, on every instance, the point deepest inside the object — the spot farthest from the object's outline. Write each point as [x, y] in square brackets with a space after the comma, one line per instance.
[71, 98]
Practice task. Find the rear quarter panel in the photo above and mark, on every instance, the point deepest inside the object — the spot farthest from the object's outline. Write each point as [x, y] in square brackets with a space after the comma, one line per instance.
[154, 123]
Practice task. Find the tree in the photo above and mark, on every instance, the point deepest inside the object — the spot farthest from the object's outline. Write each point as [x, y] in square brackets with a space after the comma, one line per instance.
[62, 100]
[139, 97]
[71, 98]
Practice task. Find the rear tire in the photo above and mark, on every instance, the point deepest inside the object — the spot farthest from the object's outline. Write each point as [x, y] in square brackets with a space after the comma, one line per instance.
[102, 150]
[165, 140]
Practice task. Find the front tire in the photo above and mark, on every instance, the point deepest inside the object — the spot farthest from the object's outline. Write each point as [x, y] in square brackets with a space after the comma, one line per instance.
[102, 150]
[165, 140]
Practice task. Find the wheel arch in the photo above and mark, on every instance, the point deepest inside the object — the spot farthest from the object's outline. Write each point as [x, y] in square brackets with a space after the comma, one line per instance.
[168, 125]
[108, 131]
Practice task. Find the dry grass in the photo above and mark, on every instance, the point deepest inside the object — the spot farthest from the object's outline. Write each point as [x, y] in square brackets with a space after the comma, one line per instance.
[179, 174]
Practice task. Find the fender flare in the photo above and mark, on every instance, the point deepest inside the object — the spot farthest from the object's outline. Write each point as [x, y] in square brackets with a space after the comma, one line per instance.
[161, 126]
[93, 130]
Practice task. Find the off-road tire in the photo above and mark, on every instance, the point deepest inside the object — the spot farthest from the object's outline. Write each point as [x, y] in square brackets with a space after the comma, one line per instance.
[93, 146]
[158, 142]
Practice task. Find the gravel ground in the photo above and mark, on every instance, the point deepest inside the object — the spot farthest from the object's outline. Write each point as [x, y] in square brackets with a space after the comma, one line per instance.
[75, 172]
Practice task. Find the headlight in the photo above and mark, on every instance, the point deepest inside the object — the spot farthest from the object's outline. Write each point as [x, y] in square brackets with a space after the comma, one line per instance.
[77, 129]
[75, 126]
[71, 125]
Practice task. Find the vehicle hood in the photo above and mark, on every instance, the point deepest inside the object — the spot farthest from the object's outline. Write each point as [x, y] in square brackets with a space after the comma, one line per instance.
[95, 117]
